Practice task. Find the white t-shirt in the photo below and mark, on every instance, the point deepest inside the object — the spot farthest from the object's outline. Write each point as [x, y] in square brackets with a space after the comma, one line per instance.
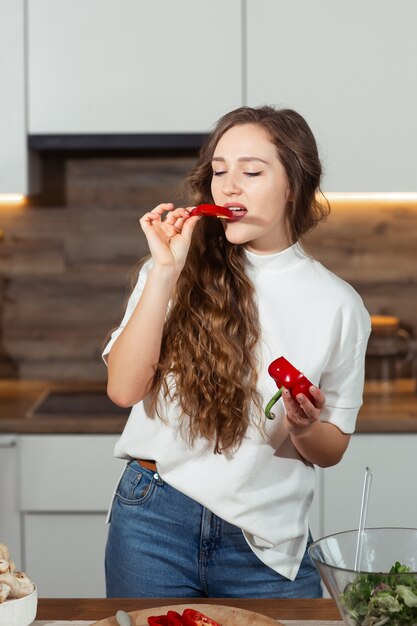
[319, 323]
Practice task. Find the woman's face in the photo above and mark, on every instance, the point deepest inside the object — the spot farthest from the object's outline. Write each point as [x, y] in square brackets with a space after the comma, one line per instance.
[247, 173]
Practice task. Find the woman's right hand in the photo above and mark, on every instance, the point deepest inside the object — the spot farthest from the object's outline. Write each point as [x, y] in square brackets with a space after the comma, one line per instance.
[169, 239]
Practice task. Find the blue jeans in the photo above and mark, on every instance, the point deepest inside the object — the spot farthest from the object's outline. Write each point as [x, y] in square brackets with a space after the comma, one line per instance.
[163, 544]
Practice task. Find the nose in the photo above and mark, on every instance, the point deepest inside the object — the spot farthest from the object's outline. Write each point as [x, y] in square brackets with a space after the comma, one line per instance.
[230, 184]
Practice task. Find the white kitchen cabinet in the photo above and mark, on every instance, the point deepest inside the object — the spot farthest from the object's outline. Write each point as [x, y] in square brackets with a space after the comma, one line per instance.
[104, 66]
[350, 70]
[67, 472]
[56, 527]
[19, 169]
[9, 502]
[66, 486]
[64, 553]
[393, 460]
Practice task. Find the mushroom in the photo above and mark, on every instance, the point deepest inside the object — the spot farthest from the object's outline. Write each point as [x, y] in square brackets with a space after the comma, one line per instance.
[13, 584]
[25, 585]
[4, 592]
[9, 580]
[4, 552]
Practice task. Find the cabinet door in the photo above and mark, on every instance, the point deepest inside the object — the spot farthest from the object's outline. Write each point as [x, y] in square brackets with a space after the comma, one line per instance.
[66, 487]
[104, 66]
[9, 502]
[18, 168]
[350, 69]
[64, 554]
[67, 472]
[392, 502]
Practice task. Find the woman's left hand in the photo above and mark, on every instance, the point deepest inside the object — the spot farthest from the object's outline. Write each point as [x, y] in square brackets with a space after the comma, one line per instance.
[301, 413]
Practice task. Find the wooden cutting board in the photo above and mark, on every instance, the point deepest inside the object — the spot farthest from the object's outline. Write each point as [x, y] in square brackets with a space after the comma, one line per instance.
[224, 615]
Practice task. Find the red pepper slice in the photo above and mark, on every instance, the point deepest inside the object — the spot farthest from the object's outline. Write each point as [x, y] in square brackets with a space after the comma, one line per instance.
[286, 375]
[190, 617]
[213, 210]
[174, 619]
[158, 620]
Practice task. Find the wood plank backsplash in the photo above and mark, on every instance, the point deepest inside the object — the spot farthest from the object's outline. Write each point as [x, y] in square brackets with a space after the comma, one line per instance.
[68, 257]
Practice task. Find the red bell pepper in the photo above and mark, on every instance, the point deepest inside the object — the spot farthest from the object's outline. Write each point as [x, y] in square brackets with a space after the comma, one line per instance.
[288, 377]
[174, 619]
[158, 620]
[190, 617]
[213, 210]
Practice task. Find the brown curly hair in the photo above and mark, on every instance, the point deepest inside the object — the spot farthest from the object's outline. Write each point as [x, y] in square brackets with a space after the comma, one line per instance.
[211, 335]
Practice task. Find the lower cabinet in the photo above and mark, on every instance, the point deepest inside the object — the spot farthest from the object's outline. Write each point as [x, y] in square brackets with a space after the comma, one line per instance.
[66, 484]
[10, 530]
[64, 553]
[63, 485]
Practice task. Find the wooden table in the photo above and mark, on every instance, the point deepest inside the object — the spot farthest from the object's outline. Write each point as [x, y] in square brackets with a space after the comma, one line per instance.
[303, 611]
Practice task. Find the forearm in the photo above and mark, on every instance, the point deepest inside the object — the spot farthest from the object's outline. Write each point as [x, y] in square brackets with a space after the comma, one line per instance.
[135, 353]
[321, 443]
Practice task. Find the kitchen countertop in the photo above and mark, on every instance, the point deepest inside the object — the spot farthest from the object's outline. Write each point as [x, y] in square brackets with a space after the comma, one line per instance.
[18, 398]
[283, 622]
[391, 413]
[309, 612]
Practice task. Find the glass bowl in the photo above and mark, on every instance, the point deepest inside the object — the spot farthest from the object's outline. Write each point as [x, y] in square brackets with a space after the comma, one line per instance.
[383, 590]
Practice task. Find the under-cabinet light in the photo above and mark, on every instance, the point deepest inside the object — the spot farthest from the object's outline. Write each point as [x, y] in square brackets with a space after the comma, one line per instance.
[12, 198]
[402, 197]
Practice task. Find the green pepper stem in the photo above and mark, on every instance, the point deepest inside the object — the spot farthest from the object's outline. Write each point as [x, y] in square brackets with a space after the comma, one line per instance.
[271, 403]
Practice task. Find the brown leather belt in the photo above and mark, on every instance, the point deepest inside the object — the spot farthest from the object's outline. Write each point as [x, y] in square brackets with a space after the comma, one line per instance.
[150, 465]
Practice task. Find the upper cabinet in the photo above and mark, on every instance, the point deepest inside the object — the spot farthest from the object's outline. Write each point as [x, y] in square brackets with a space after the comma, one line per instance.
[17, 170]
[112, 69]
[105, 66]
[350, 69]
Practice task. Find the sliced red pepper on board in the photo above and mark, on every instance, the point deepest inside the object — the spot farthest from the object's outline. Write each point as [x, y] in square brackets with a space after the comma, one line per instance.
[190, 617]
[213, 210]
[174, 619]
[158, 620]
[288, 377]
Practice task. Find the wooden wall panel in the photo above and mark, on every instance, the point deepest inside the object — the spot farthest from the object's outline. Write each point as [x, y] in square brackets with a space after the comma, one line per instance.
[375, 249]
[66, 261]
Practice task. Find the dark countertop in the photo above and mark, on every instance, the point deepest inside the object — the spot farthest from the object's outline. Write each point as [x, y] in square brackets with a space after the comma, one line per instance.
[19, 399]
[379, 414]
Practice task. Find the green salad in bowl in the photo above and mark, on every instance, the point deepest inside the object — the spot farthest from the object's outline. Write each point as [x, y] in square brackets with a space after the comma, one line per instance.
[377, 599]
[382, 589]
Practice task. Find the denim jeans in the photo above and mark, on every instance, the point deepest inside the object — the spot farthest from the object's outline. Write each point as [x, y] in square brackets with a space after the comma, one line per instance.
[163, 544]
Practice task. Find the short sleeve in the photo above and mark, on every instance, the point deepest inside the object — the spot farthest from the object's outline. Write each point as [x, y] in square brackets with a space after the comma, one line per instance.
[342, 380]
[131, 305]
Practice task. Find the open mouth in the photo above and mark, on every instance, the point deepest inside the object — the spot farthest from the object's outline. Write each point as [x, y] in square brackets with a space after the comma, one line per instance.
[238, 210]
[228, 212]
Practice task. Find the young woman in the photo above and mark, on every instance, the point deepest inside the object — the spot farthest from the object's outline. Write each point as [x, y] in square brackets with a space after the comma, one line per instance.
[214, 499]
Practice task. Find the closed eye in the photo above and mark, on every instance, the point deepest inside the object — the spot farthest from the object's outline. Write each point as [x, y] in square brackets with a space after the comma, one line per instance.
[220, 173]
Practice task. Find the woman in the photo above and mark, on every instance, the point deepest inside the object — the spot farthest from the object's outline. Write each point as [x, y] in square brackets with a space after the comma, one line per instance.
[214, 499]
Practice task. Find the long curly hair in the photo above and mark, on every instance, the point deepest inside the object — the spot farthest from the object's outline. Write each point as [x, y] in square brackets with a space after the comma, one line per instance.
[211, 335]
